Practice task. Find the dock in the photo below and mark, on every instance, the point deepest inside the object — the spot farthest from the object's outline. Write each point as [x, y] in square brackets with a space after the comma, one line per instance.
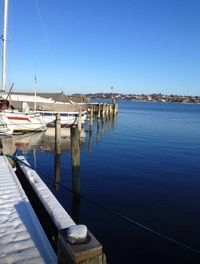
[22, 239]
[35, 228]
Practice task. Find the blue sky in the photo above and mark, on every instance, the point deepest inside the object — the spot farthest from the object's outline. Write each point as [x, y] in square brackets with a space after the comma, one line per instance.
[136, 46]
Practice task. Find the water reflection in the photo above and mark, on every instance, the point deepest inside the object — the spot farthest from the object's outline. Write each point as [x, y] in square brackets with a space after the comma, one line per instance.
[99, 128]
[75, 209]
[57, 171]
[44, 142]
[90, 139]
[98, 131]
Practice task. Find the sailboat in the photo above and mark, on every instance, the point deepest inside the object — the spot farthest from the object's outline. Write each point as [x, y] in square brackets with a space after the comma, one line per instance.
[13, 120]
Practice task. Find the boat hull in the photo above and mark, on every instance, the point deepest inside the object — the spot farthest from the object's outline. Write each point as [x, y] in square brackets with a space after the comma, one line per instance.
[18, 121]
[67, 118]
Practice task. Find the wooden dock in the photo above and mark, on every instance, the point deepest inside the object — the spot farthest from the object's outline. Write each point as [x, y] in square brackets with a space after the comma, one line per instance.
[29, 213]
[22, 239]
[102, 109]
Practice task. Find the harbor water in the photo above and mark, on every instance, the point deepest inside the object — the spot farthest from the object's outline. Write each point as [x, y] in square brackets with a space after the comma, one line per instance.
[142, 166]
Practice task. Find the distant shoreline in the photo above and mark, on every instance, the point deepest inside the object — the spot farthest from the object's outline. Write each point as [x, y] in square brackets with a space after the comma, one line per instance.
[186, 99]
[145, 101]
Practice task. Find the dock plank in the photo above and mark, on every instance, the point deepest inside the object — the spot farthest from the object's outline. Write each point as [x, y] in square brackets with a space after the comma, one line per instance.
[22, 239]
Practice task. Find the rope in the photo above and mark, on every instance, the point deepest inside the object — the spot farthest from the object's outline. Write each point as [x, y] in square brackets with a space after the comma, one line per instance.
[112, 212]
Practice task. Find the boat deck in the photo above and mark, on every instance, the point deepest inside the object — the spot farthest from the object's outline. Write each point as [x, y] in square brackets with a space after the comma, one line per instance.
[22, 239]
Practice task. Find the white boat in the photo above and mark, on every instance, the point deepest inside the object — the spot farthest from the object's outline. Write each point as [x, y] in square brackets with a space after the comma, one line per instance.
[67, 118]
[18, 121]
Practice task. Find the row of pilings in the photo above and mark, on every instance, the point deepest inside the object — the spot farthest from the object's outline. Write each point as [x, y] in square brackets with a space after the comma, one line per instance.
[102, 110]
[89, 252]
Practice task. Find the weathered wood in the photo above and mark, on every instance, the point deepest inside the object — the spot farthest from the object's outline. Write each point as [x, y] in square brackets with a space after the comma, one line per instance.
[99, 111]
[75, 158]
[91, 116]
[103, 111]
[115, 109]
[110, 110]
[58, 134]
[106, 110]
[79, 122]
[89, 252]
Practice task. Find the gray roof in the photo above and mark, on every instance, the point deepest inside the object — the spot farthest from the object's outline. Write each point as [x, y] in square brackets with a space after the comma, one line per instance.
[61, 97]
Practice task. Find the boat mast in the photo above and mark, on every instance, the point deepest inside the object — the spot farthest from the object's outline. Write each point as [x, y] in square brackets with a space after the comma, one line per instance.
[35, 93]
[4, 40]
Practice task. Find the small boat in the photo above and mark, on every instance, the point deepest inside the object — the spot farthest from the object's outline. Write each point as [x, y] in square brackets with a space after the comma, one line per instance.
[67, 118]
[20, 121]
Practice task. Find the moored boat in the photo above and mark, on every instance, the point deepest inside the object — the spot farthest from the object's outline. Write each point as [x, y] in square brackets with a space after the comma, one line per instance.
[20, 121]
[67, 118]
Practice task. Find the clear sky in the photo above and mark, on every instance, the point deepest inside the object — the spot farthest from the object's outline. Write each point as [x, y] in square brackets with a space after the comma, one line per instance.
[136, 46]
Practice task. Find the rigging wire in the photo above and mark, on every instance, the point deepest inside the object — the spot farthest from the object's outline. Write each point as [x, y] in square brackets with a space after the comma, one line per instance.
[45, 34]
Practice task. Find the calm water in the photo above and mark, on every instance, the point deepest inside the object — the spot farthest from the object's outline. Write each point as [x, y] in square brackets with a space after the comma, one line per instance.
[144, 165]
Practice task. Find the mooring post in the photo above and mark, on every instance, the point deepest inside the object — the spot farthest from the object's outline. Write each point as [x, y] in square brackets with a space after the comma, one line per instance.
[111, 110]
[89, 252]
[98, 130]
[91, 115]
[58, 134]
[106, 110]
[116, 109]
[79, 122]
[75, 158]
[99, 111]
[103, 111]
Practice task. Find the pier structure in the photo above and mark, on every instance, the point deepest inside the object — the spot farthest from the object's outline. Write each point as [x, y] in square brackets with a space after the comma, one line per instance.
[102, 110]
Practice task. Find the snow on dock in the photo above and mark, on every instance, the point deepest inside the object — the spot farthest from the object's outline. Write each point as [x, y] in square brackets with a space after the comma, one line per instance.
[22, 239]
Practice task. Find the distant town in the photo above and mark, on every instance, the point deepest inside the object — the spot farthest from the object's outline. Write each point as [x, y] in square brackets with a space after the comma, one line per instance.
[142, 97]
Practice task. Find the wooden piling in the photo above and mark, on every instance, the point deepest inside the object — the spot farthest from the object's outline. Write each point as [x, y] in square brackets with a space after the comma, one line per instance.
[115, 109]
[89, 252]
[106, 110]
[103, 111]
[75, 158]
[110, 110]
[58, 134]
[99, 111]
[79, 122]
[91, 116]
[98, 130]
